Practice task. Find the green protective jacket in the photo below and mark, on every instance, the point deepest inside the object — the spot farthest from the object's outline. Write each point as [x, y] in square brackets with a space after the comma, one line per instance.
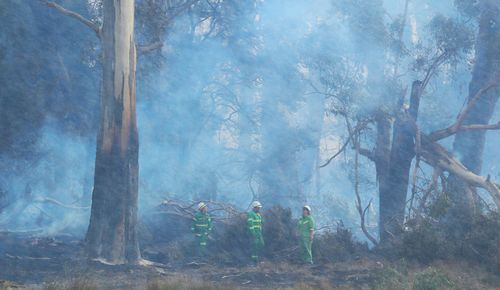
[305, 226]
[254, 221]
[202, 224]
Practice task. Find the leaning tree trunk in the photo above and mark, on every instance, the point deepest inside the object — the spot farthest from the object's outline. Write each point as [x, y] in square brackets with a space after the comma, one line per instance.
[112, 233]
[469, 145]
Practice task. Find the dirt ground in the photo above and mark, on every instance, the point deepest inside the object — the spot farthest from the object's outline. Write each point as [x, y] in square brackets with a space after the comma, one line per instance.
[36, 262]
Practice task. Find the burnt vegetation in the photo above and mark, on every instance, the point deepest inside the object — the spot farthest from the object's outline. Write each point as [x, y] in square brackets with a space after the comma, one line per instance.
[118, 117]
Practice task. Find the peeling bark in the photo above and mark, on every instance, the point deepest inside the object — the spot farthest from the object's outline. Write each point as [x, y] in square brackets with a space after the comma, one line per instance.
[112, 233]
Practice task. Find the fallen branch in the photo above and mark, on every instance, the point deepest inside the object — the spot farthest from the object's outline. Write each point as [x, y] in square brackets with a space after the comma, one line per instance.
[143, 49]
[436, 155]
[457, 126]
[56, 202]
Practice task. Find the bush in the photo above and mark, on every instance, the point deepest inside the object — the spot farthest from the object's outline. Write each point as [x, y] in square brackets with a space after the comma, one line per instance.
[431, 279]
[279, 230]
[280, 233]
[482, 243]
[233, 241]
[304, 286]
[79, 284]
[423, 242]
[389, 278]
[429, 240]
[338, 246]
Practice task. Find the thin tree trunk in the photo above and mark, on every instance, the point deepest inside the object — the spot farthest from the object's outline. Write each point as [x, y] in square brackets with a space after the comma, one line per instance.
[112, 233]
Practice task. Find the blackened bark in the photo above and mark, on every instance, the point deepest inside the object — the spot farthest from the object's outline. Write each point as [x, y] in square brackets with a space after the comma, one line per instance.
[112, 233]
[393, 186]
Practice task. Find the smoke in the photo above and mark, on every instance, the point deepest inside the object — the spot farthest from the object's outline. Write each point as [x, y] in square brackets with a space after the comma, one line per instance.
[231, 112]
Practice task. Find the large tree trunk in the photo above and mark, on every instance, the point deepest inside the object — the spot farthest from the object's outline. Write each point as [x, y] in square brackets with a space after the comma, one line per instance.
[112, 233]
[393, 186]
[469, 145]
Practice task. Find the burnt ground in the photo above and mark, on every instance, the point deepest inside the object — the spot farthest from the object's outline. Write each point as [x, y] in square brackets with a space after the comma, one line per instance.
[34, 262]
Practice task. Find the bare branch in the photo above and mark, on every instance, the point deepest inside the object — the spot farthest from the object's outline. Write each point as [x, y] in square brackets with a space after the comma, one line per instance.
[362, 213]
[481, 127]
[338, 153]
[457, 126]
[356, 130]
[77, 16]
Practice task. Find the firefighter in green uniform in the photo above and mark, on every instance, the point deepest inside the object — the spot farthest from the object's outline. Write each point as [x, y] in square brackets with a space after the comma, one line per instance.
[306, 234]
[255, 227]
[201, 227]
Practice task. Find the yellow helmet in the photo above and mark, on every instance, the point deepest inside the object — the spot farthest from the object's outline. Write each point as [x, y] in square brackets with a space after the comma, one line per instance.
[256, 204]
[201, 205]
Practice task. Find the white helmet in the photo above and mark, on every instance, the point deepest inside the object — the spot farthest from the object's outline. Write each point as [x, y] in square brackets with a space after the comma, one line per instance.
[256, 204]
[201, 205]
[308, 208]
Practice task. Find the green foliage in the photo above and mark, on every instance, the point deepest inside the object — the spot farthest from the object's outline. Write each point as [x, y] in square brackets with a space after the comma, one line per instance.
[389, 278]
[451, 37]
[431, 279]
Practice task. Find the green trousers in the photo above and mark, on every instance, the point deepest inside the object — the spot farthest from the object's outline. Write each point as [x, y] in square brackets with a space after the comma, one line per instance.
[201, 244]
[306, 249]
[257, 246]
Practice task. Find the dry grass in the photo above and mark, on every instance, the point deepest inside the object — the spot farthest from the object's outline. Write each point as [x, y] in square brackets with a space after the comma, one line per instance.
[184, 283]
[304, 286]
[78, 284]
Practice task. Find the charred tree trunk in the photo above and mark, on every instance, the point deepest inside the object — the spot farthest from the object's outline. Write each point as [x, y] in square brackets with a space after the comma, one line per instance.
[112, 233]
[393, 186]
[469, 145]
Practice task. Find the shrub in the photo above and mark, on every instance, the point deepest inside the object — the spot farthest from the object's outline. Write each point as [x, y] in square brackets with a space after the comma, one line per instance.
[337, 246]
[280, 233]
[482, 243]
[423, 242]
[429, 240]
[78, 284]
[304, 286]
[234, 240]
[184, 284]
[389, 278]
[431, 279]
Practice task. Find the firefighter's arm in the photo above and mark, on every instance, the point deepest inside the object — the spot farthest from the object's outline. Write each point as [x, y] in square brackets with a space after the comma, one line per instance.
[311, 229]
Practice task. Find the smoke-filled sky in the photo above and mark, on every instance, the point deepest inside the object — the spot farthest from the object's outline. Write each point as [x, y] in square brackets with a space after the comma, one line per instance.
[229, 109]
